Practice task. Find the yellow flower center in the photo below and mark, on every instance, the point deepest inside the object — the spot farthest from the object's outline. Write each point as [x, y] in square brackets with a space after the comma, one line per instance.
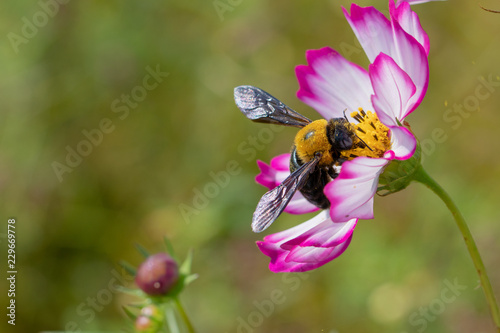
[370, 131]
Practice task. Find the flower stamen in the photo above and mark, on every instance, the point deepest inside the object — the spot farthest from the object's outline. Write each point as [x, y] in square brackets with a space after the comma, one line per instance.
[372, 138]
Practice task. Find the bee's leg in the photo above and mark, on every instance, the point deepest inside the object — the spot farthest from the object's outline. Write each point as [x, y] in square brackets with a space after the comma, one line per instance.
[332, 173]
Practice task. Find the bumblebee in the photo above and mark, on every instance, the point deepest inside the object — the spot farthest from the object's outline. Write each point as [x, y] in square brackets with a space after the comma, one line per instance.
[315, 154]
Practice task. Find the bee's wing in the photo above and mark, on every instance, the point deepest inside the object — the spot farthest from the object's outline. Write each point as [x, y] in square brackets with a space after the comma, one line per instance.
[259, 106]
[272, 204]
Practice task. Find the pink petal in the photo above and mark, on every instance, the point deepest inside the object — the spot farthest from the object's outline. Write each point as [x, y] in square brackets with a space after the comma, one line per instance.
[351, 193]
[414, 2]
[409, 21]
[372, 29]
[403, 143]
[267, 175]
[412, 60]
[281, 162]
[331, 84]
[279, 265]
[288, 234]
[300, 205]
[324, 234]
[393, 90]
[309, 255]
[287, 257]
[272, 175]
[379, 35]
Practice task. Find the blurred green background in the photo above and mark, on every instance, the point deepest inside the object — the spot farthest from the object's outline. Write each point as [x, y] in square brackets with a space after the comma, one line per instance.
[70, 74]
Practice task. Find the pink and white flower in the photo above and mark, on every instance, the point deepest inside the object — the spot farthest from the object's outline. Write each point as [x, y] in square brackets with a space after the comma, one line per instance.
[308, 245]
[272, 175]
[393, 87]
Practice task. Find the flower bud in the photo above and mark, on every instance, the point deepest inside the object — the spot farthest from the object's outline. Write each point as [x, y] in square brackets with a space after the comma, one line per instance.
[144, 324]
[151, 311]
[157, 274]
[399, 174]
[150, 320]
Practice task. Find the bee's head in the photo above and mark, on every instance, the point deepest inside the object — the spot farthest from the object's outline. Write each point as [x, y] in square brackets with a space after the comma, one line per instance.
[312, 139]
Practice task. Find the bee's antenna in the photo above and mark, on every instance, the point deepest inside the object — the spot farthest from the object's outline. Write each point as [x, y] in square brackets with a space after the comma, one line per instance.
[356, 134]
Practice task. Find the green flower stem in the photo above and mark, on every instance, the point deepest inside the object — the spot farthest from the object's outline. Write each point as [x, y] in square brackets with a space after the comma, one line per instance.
[184, 315]
[171, 319]
[172, 316]
[422, 177]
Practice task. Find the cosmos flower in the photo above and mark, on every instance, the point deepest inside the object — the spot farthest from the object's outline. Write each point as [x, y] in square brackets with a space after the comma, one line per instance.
[377, 101]
[414, 2]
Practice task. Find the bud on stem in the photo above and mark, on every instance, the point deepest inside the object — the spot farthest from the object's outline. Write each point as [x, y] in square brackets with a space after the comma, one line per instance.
[157, 275]
[399, 174]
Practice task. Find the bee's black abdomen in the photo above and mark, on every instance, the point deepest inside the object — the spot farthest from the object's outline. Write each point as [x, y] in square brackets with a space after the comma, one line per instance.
[313, 187]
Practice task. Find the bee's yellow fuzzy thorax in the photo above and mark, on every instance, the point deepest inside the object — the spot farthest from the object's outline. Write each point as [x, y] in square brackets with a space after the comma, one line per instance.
[312, 139]
[372, 132]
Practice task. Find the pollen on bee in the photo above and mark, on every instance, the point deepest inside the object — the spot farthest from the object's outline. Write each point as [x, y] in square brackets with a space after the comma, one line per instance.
[372, 137]
[312, 139]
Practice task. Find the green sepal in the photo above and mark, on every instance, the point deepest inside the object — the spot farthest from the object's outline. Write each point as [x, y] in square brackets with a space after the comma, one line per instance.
[190, 278]
[185, 267]
[128, 267]
[129, 291]
[169, 247]
[142, 250]
[185, 276]
[129, 313]
[399, 174]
